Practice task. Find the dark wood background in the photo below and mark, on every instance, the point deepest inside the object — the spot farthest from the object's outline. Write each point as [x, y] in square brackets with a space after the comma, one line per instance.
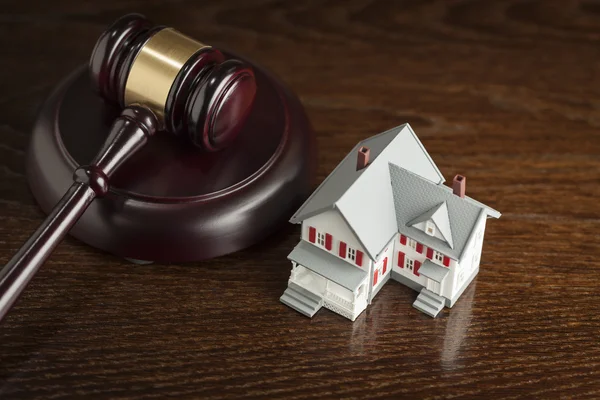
[505, 92]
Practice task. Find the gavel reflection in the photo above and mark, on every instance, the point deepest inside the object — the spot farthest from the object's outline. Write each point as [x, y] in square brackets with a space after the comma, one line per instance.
[164, 81]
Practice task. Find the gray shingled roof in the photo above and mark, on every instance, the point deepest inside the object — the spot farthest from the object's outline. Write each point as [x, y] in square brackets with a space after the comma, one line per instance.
[414, 195]
[364, 198]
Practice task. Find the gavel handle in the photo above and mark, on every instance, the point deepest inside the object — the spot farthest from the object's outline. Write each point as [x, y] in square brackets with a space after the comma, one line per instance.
[15, 276]
[128, 134]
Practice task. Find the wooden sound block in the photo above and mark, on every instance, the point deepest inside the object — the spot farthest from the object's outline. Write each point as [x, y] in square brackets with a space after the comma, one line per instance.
[171, 202]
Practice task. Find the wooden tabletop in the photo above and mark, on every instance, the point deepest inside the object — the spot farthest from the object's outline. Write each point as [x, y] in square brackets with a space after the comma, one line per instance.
[504, 92]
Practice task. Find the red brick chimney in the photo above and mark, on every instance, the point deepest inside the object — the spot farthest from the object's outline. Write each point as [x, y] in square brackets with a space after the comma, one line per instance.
[459, 185]
[362, 158]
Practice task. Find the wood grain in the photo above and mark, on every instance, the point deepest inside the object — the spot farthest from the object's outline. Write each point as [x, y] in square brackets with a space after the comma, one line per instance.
[504, 92]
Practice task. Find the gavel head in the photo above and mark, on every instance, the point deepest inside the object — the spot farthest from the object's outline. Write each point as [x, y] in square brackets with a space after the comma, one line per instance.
[188, 85]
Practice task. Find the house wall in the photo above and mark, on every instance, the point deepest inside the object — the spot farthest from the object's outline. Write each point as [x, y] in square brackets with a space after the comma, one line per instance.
[339, 299]
[385, 261]
[471, 257]
[411, 253]
[331, 222]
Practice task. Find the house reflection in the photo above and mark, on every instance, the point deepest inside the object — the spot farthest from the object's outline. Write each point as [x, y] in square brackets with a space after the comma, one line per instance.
[457, 326]
[388, 322]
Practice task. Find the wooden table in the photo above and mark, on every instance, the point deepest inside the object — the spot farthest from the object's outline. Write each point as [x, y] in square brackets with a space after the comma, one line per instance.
[504, 92]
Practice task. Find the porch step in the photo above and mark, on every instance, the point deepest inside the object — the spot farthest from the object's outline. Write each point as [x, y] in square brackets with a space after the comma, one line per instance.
[301, 300]
[429, 303]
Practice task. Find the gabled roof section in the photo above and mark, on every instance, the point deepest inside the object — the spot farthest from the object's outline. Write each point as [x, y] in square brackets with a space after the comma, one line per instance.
[415, 197]
[439, 216]
[409, 153]
[364, 197]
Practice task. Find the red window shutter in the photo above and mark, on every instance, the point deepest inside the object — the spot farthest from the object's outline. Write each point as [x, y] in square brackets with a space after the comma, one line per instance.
[312, 234]
[401, 259]
[375, 277]
[420, 248]
[446, 261]
[384, 266]
[359, 257]
[416, 268]
[328, 240]
[403, 240]
[429, 253]
[342, 252]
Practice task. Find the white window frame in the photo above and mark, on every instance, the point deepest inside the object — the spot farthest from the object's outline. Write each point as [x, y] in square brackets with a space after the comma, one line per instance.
[351, 254]
[412, 244]
[409, 263]
[321, 239]
[439, 257]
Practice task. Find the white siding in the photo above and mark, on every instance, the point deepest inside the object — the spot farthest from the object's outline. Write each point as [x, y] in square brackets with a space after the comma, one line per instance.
[412, 254]
[388, 252]
[470, 259]
[332, 222]
[448, 283]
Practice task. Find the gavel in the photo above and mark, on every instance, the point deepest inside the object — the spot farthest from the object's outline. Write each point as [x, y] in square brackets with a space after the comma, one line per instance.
[164, 81]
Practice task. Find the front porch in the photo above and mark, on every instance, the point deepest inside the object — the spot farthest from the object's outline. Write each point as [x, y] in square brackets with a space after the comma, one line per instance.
[337, 285]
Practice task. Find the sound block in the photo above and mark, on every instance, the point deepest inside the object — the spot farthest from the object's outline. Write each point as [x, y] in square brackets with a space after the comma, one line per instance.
[170, 202]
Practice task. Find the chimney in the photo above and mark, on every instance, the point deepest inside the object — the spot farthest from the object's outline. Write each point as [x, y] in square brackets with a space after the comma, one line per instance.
[459, 185]
[362, 159]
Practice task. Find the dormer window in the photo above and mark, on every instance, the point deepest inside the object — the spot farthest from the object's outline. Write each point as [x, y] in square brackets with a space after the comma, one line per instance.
[430, 228]
[435, 222]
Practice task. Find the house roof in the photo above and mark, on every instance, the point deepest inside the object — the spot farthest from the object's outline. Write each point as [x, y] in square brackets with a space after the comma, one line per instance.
[415, 196]
[327, 265]
[364, 198]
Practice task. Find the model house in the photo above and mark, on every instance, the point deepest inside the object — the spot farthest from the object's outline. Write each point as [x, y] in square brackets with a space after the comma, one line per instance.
[385, 213]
